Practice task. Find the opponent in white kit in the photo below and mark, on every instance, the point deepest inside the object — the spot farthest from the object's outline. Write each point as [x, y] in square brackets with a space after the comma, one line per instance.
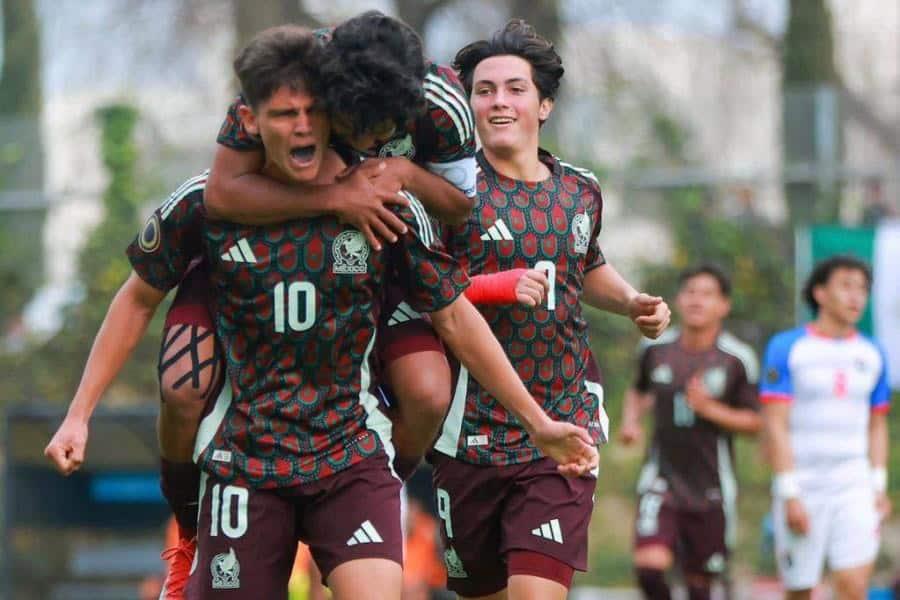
[826, 396]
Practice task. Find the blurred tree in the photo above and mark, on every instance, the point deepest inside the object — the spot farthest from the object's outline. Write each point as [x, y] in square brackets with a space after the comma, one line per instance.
[543, 15]
[252, 17]
[417, 13]
[808, 56]
[21, 159]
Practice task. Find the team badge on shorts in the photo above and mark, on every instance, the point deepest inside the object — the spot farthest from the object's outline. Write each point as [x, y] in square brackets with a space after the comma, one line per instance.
[455, 567]
[581, 229]
[225, 570]
[350, 251]
[149, 238]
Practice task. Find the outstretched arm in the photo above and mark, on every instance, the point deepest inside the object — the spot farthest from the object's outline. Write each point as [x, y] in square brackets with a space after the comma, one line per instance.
[126, 320]
[606, 289]
[467, 334]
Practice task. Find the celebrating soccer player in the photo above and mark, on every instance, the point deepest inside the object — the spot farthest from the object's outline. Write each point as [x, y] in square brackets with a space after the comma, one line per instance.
[296, 438]
[701, 384]
[826, 395]
[511, 524]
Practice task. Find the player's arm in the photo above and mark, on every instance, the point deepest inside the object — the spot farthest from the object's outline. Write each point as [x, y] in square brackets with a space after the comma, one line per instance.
[126, 320]
[736, 419]
[879, 440]
[634, 407]
[606, 289]
[467, 334]
[513, 286]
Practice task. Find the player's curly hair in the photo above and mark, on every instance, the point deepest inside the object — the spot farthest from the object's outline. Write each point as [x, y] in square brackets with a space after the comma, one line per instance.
[283, 55]
[822, 272]
[373, 71]
[517, 38]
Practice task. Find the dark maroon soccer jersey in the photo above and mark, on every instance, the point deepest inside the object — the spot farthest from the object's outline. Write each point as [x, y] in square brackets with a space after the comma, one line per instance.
[550, 225]
[437, 140]
[692, 455]
[296, 309]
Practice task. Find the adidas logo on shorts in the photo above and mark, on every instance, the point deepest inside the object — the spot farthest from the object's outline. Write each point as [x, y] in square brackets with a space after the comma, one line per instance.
[366, 534]
[549, 531]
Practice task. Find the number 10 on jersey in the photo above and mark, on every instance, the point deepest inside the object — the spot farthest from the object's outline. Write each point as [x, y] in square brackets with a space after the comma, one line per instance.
[294, 306]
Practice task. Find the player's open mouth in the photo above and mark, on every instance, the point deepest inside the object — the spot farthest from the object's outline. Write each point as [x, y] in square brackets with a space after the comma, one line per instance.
[501, 120]
[303, 155]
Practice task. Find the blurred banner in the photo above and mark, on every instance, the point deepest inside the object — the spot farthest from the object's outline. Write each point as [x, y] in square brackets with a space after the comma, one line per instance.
[880, 247]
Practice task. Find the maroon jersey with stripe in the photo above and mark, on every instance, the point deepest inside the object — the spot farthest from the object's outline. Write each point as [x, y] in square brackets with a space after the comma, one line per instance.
[296, 311]
[690, 455]
[551, 225]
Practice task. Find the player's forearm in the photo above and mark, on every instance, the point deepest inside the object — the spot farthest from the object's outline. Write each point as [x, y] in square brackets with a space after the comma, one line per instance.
[878, 440]
[441, 198]
[778, 438]
[467, 334]
[606, 289]
[123, 327]
[737, 420]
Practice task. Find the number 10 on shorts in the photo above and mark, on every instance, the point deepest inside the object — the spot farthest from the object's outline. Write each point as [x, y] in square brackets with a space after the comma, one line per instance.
[221, 517]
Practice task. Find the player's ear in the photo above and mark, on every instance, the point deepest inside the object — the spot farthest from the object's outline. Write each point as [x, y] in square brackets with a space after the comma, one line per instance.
[545, 109]
[248, 118]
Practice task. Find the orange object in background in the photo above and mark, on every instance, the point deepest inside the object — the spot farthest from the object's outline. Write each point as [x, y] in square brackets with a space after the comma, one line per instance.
[422, 556]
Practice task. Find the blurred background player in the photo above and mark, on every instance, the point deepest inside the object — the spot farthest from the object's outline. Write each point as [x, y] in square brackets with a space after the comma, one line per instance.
[511, 524]
[700, 383]
[826, 399]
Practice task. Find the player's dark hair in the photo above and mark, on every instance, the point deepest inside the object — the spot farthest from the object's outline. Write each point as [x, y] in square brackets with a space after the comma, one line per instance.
[373, 71]
[713, 270]
[284, 55]
[517, 38]
[823, 271]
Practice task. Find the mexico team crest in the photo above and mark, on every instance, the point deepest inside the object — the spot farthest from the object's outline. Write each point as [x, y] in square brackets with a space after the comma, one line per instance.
[581, 230]
[351, 252]
[398, 147]
[226, 571]
[714, 380]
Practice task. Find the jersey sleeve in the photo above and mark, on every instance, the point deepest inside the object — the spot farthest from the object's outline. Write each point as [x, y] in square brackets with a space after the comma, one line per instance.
[642, 380]
[595, 256]
[746, 390]
[431, 277]
[880, 400]
[776, 384]
[232, 133]
[451, 153]
[172, 237]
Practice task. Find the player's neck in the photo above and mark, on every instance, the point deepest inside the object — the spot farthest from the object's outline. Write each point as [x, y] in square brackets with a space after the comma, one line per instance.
[828, 326]
[699, 339]
[518, 165]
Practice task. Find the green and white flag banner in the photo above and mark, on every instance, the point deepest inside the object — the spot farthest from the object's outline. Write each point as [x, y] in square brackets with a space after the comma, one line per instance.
[879, 247]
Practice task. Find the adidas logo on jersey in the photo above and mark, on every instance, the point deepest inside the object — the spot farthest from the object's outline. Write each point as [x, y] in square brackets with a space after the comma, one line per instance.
[549, 531]
[403, 313]
[498, 232]
[366, 534]
[240, 253]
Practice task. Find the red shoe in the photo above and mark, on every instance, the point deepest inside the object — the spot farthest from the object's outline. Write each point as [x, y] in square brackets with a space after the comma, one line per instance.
[180, 558]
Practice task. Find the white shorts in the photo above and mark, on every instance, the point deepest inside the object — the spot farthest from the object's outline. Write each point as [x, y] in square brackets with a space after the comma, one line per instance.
[844, 530]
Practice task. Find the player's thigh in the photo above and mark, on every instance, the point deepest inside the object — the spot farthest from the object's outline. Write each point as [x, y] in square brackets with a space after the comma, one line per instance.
[352, 515]
[549, 515]
[854, 532]
[530, 587]
[852, 583]
[470, 500]
[367, 579]
[190, 369]
[245, 543]
[702, 541]
[801, 558]
[655, 530]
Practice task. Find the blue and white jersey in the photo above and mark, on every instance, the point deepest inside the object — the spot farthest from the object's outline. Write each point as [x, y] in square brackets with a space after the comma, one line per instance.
[832, 384]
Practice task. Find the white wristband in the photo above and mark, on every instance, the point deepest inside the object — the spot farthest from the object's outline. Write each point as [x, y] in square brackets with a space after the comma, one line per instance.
[785, 485]
[879, 479]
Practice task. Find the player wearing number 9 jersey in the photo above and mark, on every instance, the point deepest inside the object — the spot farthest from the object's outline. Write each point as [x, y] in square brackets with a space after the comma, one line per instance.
[508, 518]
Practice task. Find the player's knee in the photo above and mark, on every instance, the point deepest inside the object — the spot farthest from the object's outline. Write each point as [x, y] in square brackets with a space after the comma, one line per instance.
[657, 557]
[427, 396]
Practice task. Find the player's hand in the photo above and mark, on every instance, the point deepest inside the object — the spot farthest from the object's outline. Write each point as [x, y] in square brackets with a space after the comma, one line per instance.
[66, 449]
[883, 505]
[797, 517]
[651, 314]
[532, 288]
[569, 445]
[698, 397]
[630, 433]
[389, 175]
[364, 205]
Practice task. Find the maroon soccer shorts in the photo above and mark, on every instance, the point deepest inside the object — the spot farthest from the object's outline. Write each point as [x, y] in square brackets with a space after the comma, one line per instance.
[247, 538]
[193, 300]
[487, 511]
[695, 537]
[402, 330]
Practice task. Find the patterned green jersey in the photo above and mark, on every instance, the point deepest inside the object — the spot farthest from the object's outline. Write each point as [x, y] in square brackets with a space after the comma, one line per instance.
[553, 226]
[296, 306]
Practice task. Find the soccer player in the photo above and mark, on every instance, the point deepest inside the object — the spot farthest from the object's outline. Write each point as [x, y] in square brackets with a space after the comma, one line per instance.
[296, 438]
[825, 395]
[701, 384]
[512, 526]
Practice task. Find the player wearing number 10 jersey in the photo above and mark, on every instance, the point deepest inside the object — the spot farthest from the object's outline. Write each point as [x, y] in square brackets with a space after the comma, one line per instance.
[508, 519]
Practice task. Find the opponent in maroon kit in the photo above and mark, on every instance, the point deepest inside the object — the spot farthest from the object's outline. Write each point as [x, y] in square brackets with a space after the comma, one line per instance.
[297, 437]
[508, 519]
[701, 382]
